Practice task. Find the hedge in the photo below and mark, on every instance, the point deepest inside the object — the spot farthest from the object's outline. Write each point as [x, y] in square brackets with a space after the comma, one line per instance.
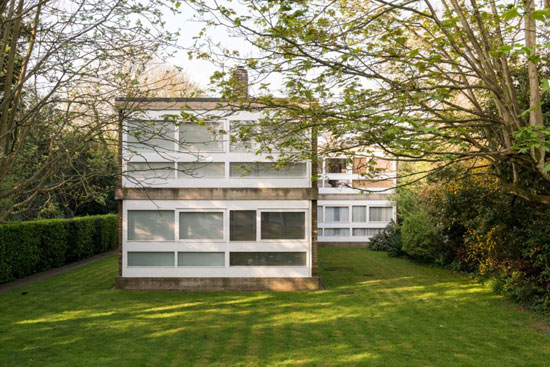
[34, 246]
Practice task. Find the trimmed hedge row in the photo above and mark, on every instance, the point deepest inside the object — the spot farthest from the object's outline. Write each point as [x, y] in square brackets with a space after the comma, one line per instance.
[34, 246]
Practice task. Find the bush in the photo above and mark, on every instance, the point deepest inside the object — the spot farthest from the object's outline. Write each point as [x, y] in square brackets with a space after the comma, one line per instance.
[419, 236]
[389, 239]
[34, 246]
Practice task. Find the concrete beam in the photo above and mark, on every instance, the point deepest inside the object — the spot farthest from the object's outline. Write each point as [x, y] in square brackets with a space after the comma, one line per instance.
[216, 194]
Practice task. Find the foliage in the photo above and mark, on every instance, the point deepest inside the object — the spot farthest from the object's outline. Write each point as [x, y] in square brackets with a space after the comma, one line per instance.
[389, 240]
[419, 236]
[34, 246]
[435, 81]
[376, 311]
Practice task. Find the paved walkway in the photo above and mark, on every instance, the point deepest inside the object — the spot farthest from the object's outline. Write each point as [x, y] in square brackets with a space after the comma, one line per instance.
[18, 283]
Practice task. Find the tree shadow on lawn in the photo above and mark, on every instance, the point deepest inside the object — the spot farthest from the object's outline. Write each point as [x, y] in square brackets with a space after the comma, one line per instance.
[379, 319]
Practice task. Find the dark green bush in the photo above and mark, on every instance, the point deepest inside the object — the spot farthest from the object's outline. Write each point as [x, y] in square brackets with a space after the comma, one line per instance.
[388, 240]
[34, 246]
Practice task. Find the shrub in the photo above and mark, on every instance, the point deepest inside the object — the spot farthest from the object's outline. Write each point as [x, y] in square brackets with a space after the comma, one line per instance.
[419, 236]
[389, 239]
[30, 247]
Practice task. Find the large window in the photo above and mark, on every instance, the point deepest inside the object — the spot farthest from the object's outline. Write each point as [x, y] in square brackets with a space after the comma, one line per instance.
[238, 130]
[283, 225]
[201, 169]
[201, 259]
[242, 225]
[150, 259]
[336, 214]
[204, 138]
[151, 136]
[336, 232]
[150, 170]
[380, 214]
[359, 213]
[267, 259]
[151, 225]
[267, 169]
[336, 165]
[201, 225]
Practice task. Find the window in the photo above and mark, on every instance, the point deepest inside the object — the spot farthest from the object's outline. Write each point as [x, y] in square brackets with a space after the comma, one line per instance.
[267, 259]
[201, 169]
[242, 225]
[380, 214]
[359, 232]
[336, 214]
[283, 225]
[204, 138]
[320, 232]
[336, 232]
[239, 131]
[151, 225]
[336, 165]
[151, 136]
[201, 259]
[201, 225]
[150, 170]
[359, 214]
[150, 259]
[267, 169]
[320, 214]
[360, 165]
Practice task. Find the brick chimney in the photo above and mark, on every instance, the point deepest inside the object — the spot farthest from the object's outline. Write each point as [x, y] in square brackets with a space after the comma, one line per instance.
[241, 79]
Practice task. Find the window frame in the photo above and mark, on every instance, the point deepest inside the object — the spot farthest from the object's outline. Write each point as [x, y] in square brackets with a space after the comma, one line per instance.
[174, 257]
[127, 231]
[259, 225]
[347, 206]
[224, 252]
[380, 221]
[220, 123]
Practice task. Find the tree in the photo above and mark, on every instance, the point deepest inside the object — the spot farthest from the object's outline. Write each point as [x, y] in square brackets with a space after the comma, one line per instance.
[62, 64]
[438, 82]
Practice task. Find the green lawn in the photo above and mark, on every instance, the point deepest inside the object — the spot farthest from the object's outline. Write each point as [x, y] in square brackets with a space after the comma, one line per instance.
[376, 311]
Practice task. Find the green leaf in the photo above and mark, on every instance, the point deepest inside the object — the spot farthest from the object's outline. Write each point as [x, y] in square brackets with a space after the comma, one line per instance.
[510, 14]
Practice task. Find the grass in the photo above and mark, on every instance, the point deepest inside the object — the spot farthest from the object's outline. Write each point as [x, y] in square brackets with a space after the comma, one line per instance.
[376, 311]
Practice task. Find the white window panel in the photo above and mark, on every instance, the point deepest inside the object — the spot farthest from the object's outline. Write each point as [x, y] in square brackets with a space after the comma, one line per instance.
[201, 169]
[201, 138]
[150, 170]
[360, 232]
[150, 259]
[380, 214]
[359, 213]
[336, 232]
[201, 259]
[336, 214]
[151, 136]
[151, 225]
[201, 225]
[319, 214]
[283, 225]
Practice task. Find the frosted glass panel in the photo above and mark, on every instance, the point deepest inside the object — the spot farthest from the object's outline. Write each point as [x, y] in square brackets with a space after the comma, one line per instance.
[336, 232]
[151, 225]
[381, 214]
[201, 225]
[359, 213]
[336, 214]
[205, 138]
[201, 259]
[319, 214]
[150, 259]
[201, 170]
[242, 225]
[267, 169]
[267, 259]
[150, 170]
[366, 231]
[236, 142]
[283, 225]
[151, 136]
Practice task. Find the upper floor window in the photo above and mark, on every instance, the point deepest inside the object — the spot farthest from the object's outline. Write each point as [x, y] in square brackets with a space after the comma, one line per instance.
[151, 225]
[201, 138]
[150, 170]
[151, 136]
[380, 214]
[267, 169]
[201, 169]
[336, 165]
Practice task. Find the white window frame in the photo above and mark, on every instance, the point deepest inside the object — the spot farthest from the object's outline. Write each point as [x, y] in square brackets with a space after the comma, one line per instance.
[259, 225]
[224, 142]
[338, 206]
[126, 237]
[225, 260]
[151, 267]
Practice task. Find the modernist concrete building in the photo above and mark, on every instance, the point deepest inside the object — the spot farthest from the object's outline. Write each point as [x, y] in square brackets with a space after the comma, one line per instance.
[200, 210]
[353, 206]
